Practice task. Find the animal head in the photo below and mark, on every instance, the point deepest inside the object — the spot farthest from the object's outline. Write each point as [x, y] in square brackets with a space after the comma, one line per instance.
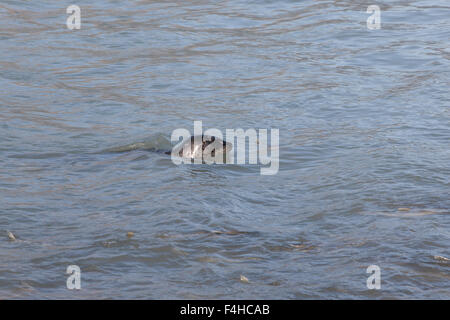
[203, 147]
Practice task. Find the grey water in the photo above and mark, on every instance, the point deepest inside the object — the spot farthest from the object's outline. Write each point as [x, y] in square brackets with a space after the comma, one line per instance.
[364, 124]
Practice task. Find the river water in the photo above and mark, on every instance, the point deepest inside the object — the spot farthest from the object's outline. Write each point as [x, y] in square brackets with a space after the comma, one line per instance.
[363, 118]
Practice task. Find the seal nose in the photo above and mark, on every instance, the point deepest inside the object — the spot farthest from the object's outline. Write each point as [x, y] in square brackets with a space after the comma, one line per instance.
[227, 146]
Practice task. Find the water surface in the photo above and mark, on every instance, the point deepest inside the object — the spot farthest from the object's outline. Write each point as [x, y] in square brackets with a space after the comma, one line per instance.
[364, 130]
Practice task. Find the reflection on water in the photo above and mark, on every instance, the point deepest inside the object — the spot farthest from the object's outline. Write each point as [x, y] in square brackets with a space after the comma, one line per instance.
[364, 129]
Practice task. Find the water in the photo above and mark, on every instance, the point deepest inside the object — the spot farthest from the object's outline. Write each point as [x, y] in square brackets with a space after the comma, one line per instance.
[364, 130]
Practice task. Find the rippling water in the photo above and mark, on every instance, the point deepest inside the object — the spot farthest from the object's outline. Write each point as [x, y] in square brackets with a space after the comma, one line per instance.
[364, 130]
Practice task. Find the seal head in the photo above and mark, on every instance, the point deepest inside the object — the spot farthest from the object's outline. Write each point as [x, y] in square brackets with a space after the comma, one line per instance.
[207, 148]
